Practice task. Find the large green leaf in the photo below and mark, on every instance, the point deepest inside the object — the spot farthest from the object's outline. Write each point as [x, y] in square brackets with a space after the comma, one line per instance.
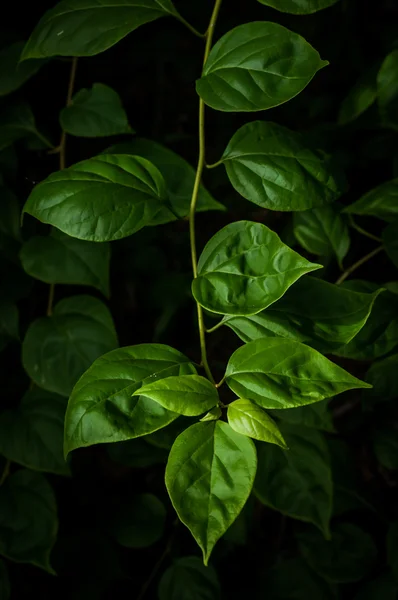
[297, 482]
[189, 579]
[327, 324]
[95, 112]
[317, 416]
[347, 556]
[322, 231]
[137, 521]
[247, 418]
[209, 477]
[100, 199]
[102, 409]
[380, 202]
[256, 66]
[84, 28]
[9, 323]
[244, 268]
[276, 169]
[32, 436]
[58, 349]
[387, 90]
[189, 395]
[279, 373]
[360, 97]
[13, 74]
[299, 7]
[28, 519]
[17, 122]
[5, 588]
[291, 579]
[59, 258]
[178, 175]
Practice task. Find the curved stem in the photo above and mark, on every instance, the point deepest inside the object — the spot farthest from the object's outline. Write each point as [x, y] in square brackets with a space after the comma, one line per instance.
[214, 165]
[195, 192]
[358, 264]
[190, 27]
[220, 324]
[360, 229]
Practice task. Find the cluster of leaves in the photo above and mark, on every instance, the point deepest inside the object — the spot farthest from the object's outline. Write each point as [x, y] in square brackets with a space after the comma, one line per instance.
[263, 440]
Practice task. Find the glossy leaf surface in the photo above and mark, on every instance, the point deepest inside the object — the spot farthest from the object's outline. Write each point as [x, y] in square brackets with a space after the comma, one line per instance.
[247, 418]
[299, 7]
[380, 202]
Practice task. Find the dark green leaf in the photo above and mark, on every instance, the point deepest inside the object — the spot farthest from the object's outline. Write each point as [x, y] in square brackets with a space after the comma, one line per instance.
[316, 416]
[101, 408]
[279, 373]
[32, 436]
[384, 587]
[292, 580]
[257, 66]
[299, 7]
[244, 268]
[381, 202]
[275, 168]
[5, 589]
[387, 90]
[297, 482]
[17, 122]
[59, 258]
[189, 579]
[392, 548]
[383, 376]
[12, 74]
[58, 349]
[95, 112]
[209, 477]
[81, 28]
[28, 519]
[360, 97]
[347, 556]
[385, 445]
[137, 521]
[9, 323]
[100, 199]
[165, 437]
[247, 418]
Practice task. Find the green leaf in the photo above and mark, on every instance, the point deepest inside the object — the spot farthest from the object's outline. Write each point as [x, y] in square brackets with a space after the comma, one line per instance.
[5, 589]
[360, 97]
[137, 521]
[383, 587]
[189, 579]
[297, 482]
[61, 259]
[249, 419]
[276, 169]
[383, 376]
[291, 579]
[209, 477]
[280, 373]
[380, 202]
[316, 416]
[9, 215]
[188, 395]
[346, 557]
[256, 66]
[32, 435]
[12, 74]
[178, 175]
[17, 122]
[298, 7]
[387, 90]
[95, 112]
[29, 524]
[213, 414]
[102, 409]
[100, 199]
[322, 231]
[58, 349]
[244, 268]
[9, 323]
[392, 548]
[81, 28]
[327, 324]
[385, 446]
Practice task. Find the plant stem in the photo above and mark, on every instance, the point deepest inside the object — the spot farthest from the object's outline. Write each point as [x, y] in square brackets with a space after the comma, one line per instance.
[220, 324]
[358, 264]
[360, 229]
[190, 27]
[220, 383]
[214, 165]
[195, 192]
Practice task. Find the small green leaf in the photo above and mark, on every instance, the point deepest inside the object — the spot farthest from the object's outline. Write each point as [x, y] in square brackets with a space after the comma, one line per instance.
[387, 90]
[276, 169]
[347, 556]
[13, 74]
[322, 231]
[383, 587]
[256, 66]
[189, 579]
[29, 522]
[83, 28]
[385, 446]
[137, 521]
[9, 323]
[297, 482]
[291, 579]
[244, 268]
[209, 477]
[299, 7]
[102, 409]
[58, 349]
[32, 436]
[392, 548]
[360, 97]
[316, 416]
[380, 202]
[96, 112]
[280, 373]
[251, 420]
[100, 199]
[189, 395]
[5, 588]
[17, 122]
[61, 259]
[213, 414]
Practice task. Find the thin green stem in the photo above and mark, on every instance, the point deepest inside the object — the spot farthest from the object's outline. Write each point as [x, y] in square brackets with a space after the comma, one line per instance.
[363, 231]
[190, 27]
[195, 193]
[220, 324]
[214, 165]
[358, 264]
[220, 383]
[43, 139]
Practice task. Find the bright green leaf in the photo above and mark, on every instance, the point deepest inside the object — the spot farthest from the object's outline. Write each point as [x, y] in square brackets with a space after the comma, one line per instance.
[299, 7]
[244, 268]
[59, 258]
[100, 199]
[247, 418]
[5, 589]
[102, 409]
[385, 446]
[28, 523]
[137, 521]
[209, 477]
[360, 97]
[387, 90]
[380, 202]
[316, 416]
[256, 66]
[189, 579]
[276, 169]
[213, 414]
[13, 74]
[17, 122]
[58, 349]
